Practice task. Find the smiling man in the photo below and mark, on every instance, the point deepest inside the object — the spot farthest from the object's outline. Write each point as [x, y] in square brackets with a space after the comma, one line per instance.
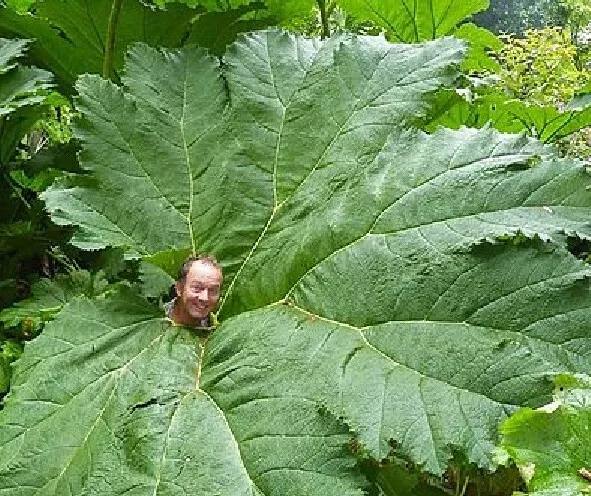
[197, 292]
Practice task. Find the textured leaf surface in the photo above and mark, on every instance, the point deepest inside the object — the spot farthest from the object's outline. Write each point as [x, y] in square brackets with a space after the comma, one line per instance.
[138, 417]
[415, 285]
[278, 91]
[553, 447]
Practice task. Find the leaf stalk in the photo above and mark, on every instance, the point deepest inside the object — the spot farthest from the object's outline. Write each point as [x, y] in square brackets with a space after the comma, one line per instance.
[324, 18]
[108, 61]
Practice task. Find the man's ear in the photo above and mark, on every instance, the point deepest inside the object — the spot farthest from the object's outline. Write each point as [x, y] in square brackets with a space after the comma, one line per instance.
[178, 286]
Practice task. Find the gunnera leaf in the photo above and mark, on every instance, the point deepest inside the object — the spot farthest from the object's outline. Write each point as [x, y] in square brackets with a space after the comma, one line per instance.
[418, 286]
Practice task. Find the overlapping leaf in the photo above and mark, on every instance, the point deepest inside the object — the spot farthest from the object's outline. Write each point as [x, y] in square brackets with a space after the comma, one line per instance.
[552, 447]
[70, 35]
[415, 20]
[279, 10]
[22, 89]
[415, 285]
[546, 123]
[48, 296]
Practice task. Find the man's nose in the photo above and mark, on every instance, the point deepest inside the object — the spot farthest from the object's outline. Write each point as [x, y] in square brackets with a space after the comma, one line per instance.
[203, 294]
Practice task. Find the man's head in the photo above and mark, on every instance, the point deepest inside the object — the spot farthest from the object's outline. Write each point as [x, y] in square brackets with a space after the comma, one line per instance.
[197, 288]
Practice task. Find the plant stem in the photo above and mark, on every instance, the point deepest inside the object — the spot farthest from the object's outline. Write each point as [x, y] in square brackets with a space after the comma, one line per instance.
[17, 190]
[324, 18]
[110, 40]
[463, 493]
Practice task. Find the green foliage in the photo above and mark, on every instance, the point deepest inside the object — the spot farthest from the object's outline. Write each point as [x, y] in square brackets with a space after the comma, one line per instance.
[551, 446]
[48, 296]
[22, 90]
[540, 67]
[25, 98]
[541, 70]
[416, 287]
[72, 35]
[578, 13]
[533, 90]
[10, 351]
[545, 123]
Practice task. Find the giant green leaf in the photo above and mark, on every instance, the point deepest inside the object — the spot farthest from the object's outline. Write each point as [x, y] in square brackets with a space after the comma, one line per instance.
[416, 286]
[167, 137]
[309, 188]
[552, 447]
[131, 413]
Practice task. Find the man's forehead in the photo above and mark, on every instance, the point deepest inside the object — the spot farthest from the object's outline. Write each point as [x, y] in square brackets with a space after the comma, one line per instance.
[204, 272]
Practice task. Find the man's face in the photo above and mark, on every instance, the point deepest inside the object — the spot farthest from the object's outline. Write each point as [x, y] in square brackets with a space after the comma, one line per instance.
[200, 291]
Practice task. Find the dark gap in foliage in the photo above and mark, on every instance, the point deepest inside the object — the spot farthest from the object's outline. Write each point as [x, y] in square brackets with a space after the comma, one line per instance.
[579, 247]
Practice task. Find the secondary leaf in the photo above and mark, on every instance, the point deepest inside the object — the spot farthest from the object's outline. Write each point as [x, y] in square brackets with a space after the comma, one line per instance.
[48, 296]
[545, 123]
[552, 447]
[155, 282]
[481, 41]
[415, 20]
[22, 89]
[9, 351]
[216, 30]
[5, 373]
[70, 35]
[281, 11]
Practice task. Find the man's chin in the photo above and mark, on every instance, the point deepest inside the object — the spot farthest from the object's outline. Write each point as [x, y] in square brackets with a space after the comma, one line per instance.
[199, 314]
